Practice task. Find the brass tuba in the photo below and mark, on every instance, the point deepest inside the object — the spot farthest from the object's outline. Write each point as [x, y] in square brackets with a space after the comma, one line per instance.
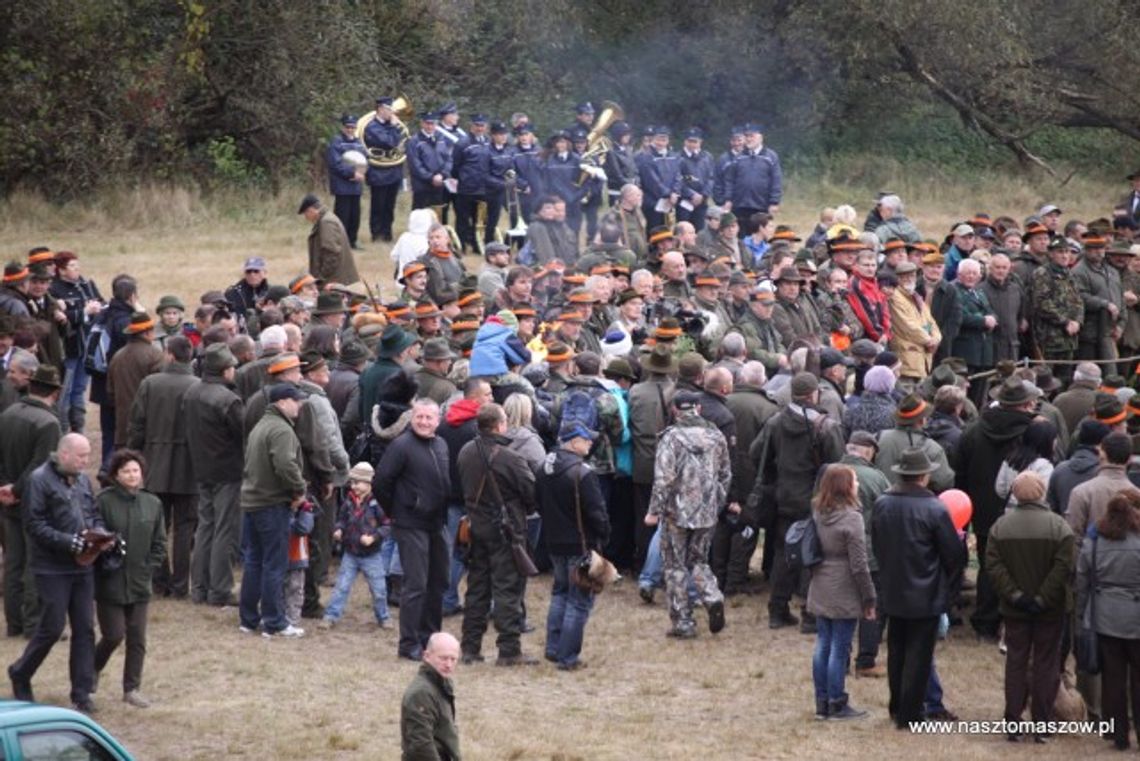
[598, 144]
[384, 158]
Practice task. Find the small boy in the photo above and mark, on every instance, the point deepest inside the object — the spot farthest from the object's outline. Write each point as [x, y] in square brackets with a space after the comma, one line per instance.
[361, 528]
[300, 526]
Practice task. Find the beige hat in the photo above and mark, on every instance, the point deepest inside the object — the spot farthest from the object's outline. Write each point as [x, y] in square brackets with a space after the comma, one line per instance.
[361, 471]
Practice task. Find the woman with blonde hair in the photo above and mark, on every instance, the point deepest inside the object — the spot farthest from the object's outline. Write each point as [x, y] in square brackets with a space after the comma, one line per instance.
[840, 590]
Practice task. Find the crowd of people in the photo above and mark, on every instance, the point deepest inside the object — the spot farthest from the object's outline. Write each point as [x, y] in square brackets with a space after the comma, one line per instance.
[675, 393]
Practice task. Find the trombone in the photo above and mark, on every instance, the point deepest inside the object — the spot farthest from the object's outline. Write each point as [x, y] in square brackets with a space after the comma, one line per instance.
[514, 209]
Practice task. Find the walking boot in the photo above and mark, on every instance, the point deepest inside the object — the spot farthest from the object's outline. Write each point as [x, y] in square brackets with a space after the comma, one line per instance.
[840, 710]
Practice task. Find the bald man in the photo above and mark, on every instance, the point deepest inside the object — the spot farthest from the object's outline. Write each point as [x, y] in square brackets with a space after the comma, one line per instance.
[427, 712]
[60, 506]
[673, 272]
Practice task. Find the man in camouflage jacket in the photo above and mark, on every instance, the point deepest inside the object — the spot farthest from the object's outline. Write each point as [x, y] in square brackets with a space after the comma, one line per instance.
[691, 477]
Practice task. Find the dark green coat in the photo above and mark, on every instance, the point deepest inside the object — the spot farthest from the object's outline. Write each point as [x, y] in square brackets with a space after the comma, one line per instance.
[1031, 552]
[30, 434]
[427, 719]
[433, 386]
[973, 342]
[137, 518]
[158, 430]
[274, 463]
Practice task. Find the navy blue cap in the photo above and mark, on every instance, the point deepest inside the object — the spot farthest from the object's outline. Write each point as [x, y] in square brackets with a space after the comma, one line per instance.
[695, 133]
[686, 400]
[620, 128]
[348, 120]
[648, 131]
[752, 127]
[585, 108]
[448, 108]
[575, 430]
[661, 129]
[558, 135]
[737, 129]
[429, 116]
[281, 391]
[579, 134]
[498, 128]
[524, 128]
[479, 119]
[385, 100]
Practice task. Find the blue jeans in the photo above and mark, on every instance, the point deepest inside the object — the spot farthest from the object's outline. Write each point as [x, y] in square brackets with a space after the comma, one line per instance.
[262, 601]
[390, 556]
[372, 566]
[451, 599]
[570, 607]
[652, 572]
[73, 396]
[832, 650]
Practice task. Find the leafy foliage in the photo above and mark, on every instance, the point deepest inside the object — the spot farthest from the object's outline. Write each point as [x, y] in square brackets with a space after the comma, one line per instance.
[244, 90]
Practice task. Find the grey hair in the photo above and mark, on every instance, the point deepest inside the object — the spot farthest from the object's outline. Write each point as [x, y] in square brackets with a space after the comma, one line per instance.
[274, 335]
[891, 202]
[798, 360]
[25, 360]
[1087, 371]
[424, 401]
[639, 275]
[732, 345]
[972, 264]
[753, 374]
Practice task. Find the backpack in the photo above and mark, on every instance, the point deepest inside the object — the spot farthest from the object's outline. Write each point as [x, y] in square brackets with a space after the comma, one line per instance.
[578, 406]
[526, 255]
[801, 545]
[96, 352]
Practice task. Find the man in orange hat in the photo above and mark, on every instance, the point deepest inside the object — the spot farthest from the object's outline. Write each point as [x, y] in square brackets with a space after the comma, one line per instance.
[138, 359]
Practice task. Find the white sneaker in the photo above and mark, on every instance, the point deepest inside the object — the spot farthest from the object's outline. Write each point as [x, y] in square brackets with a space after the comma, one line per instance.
[289, 631]
[246, 630]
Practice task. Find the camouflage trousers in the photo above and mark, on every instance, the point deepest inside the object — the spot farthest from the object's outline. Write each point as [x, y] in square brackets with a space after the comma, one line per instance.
[685, 554]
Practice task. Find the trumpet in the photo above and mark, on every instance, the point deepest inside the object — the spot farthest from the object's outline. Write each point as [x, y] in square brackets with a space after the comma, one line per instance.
[384, 158]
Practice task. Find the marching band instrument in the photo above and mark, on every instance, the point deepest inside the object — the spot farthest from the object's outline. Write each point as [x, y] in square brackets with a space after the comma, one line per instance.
[598, 143]
[384, 158]
[514, 209]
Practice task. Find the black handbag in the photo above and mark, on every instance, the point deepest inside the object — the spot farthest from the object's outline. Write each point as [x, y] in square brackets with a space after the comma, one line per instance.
[1088, 643]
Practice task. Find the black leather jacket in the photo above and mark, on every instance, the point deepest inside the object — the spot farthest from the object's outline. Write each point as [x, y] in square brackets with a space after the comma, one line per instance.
[58, 507]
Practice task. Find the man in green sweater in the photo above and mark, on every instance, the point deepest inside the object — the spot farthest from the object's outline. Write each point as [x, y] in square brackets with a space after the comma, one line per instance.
[273, 485]
[427, 712]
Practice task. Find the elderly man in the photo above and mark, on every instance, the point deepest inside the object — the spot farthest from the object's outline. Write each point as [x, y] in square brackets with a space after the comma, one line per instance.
[1007, 298]
[427, 711]
[61, 513]
[974, 340]
[673, 272]
[915, 335]
[895, 223]
[1076, 402]
[244, 295]
[330, 254]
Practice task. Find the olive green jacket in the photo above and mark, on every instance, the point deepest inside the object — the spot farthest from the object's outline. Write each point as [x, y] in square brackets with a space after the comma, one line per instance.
[137, 518]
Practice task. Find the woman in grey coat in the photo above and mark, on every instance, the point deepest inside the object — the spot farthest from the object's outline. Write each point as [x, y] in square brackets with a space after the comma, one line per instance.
[840, 591]
[1116, 595]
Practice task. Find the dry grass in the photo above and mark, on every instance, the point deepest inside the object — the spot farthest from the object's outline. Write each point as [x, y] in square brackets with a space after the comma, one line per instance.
[743, 694]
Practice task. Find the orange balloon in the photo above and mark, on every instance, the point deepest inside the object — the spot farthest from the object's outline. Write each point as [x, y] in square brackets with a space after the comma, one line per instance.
[960, 507]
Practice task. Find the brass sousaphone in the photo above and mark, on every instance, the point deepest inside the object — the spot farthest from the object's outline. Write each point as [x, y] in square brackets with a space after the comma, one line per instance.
[384, 158]
[598, 143]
